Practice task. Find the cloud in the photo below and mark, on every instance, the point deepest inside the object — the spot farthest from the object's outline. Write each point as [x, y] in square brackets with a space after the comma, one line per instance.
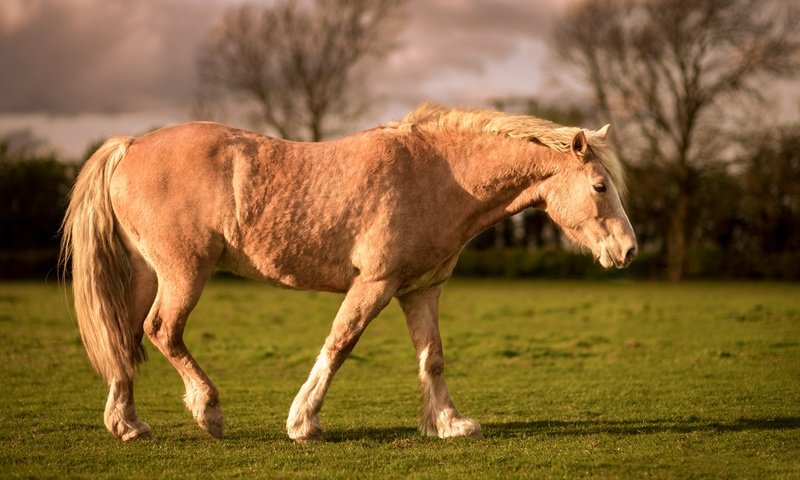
[448, 35]
[467, 52]
[71, 56]
[70, 63]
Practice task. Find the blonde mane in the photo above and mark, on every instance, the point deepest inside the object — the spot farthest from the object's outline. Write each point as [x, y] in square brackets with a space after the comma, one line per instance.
[432, 117]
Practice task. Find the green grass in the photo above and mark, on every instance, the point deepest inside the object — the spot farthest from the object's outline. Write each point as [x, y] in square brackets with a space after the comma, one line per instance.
[601, 380]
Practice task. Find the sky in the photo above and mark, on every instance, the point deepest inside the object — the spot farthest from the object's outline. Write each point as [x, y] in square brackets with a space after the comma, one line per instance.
[77, 71]
[73, 72]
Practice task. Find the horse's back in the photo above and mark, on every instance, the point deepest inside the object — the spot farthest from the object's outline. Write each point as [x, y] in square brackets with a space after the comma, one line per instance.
[302, 208]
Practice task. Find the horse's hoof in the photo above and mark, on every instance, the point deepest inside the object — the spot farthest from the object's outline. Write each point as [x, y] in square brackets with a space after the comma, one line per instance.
[140, 432]
[304, 429]
[308, 440]
[212, 423]
[306, 435]
[461, 427]
[210, 419]
[215, 430]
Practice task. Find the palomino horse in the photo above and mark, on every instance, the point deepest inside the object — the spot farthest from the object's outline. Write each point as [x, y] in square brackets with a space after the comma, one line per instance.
[380, 214]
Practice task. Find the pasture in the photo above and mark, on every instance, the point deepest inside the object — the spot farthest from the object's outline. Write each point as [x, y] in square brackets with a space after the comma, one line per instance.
[567, 379]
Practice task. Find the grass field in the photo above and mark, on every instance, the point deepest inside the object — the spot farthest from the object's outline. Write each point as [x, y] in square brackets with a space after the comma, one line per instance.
[567, 379]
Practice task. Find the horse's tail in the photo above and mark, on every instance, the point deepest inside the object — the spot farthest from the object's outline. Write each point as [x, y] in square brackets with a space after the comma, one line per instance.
[100, 267]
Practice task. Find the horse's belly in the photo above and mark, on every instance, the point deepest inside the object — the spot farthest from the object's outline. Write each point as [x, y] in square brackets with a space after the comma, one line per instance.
[291, 270]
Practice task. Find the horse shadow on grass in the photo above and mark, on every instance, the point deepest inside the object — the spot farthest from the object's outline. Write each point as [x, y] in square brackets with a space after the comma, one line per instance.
[408, 435]
[330, 435]
[637, 427]
[512, 430]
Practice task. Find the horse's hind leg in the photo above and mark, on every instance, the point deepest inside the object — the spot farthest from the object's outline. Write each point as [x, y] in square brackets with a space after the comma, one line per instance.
[178, 294]
[439, 415]
[120, 414]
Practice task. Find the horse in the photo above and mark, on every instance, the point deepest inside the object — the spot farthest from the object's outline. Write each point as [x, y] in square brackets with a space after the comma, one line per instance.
[377, 215]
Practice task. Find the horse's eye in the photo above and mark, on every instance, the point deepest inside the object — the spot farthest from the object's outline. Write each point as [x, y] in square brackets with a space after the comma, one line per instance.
[599, 187]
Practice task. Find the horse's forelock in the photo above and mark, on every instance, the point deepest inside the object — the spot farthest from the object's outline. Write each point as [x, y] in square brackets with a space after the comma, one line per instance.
[609, 159]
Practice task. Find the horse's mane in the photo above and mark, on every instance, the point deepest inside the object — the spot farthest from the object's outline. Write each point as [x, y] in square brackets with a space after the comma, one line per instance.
[432, 117]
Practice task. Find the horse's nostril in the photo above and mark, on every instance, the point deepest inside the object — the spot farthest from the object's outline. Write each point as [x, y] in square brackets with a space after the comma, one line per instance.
[629, 256]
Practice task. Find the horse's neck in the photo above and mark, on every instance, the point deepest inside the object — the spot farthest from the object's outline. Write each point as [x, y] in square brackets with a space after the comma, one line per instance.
[501, 174]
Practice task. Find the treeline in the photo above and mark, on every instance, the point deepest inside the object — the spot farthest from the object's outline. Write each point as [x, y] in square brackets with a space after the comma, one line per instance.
[33, 189]
[747, 224]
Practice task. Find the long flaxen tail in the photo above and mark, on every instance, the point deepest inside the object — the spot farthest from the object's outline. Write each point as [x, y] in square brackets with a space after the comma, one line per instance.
[100, 267]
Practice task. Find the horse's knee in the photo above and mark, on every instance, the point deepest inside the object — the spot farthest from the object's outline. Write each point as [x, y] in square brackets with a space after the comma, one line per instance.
[339, 347]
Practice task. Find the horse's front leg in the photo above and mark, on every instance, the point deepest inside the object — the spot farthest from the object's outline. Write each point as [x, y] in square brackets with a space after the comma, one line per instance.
[362, 303]
[439, 415]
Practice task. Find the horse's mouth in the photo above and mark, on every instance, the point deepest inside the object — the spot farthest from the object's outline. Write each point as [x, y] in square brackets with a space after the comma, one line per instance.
[608, 261]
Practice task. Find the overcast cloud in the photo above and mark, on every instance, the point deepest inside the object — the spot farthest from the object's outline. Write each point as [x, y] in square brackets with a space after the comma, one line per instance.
[74, 56]
[77, 70]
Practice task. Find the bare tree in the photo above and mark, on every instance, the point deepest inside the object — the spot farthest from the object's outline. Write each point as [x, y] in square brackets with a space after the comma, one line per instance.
[771, 197]
[669, 72]
[300, 64]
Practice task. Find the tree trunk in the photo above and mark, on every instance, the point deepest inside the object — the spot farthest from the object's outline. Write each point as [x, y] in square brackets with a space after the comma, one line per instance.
[500, 234]
[677, 239]
[316, 127]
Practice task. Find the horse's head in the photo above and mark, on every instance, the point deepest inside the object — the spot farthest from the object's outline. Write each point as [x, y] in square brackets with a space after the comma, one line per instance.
[585, 202]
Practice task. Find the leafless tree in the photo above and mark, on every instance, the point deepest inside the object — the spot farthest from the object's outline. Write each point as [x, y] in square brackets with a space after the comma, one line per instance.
[300, 64]
[669, 73]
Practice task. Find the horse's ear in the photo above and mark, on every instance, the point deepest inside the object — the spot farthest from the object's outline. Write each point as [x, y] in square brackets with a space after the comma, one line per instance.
[603, 132]
[579, 145]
